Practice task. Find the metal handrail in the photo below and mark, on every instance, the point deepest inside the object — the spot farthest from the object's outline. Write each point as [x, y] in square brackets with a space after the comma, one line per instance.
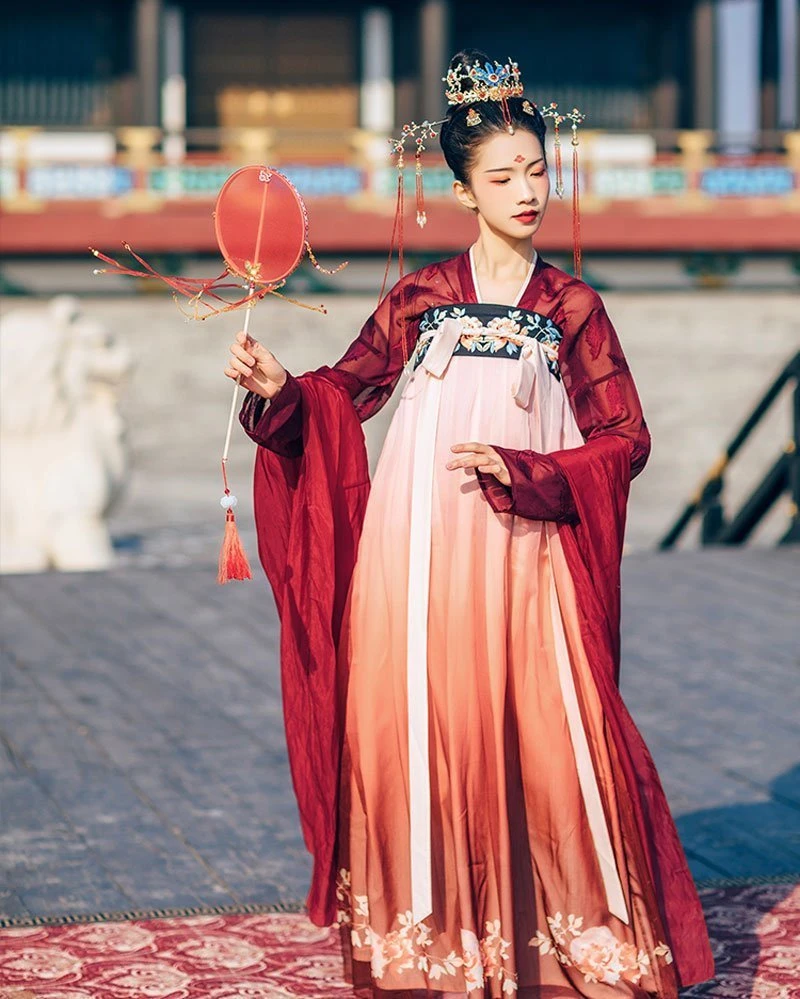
[784, 475]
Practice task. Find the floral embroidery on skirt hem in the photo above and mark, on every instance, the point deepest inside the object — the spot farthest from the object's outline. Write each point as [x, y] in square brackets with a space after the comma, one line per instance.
[594, 952]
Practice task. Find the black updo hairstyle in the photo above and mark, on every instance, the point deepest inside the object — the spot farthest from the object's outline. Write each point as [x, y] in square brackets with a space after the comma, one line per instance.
[460, 141]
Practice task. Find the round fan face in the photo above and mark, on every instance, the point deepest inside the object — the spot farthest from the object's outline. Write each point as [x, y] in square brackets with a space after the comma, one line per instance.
[261, 224]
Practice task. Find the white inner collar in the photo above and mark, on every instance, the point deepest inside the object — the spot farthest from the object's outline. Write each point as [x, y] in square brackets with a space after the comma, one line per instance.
[521, 291]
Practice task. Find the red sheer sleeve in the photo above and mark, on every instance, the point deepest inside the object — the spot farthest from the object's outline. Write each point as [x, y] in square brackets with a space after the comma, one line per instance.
[368, 371]
[604, 400]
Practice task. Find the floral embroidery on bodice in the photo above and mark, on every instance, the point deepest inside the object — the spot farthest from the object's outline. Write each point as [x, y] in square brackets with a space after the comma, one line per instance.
[492, 331]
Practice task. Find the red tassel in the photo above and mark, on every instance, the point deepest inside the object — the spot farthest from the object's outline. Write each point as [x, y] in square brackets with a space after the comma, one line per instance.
[559, 167]
[576, 213]
[202, 292]
[233, 562]
[401, 212]
[506, 112]
[397, 238]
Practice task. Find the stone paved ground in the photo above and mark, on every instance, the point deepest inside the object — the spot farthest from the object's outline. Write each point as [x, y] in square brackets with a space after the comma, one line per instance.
[142, 760]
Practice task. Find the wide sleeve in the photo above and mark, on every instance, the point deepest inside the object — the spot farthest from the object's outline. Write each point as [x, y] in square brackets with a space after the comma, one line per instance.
[604, 399]
[368, 371]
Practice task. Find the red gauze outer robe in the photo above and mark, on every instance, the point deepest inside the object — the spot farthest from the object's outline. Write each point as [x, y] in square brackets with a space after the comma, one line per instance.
[311, 484]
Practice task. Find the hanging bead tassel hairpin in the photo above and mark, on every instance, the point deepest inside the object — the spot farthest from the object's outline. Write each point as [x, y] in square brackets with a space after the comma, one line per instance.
[422, 218]
[426, 131]
[551, 111]
[576, 118]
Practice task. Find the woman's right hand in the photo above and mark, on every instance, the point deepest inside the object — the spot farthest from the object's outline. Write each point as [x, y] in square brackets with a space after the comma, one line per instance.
[257, 368]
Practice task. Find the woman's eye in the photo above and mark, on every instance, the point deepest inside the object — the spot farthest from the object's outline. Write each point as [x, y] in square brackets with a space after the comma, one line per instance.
[501, 181]
[540, 173]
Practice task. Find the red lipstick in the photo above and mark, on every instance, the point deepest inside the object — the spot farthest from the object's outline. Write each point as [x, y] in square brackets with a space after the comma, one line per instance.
[528, 216]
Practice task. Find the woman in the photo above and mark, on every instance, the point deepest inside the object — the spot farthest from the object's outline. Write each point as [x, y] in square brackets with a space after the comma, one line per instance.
[450, 636]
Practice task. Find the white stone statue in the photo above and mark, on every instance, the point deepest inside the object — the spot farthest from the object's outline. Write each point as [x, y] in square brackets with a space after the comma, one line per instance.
[63, 455]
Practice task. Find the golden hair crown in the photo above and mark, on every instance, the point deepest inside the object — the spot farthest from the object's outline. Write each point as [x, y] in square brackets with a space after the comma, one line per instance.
[487, 82]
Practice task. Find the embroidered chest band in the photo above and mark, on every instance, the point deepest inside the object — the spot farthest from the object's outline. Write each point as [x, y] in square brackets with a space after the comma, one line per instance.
[488, 330]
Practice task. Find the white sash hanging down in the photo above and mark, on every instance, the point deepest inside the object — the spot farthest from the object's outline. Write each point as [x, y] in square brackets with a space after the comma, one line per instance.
[435, 363]
[419, 565]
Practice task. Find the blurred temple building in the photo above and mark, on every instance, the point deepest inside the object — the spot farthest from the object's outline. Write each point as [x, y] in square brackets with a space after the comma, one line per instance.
[691, 115]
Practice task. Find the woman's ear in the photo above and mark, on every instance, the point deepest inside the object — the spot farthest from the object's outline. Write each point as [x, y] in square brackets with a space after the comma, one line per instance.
[464, 196]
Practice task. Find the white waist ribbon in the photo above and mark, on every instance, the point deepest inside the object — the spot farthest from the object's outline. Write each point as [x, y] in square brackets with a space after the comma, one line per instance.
[435, 362]
[419, 570]
[587, 779]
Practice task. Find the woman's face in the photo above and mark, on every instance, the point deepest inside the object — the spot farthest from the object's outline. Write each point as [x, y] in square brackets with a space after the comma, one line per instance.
[508, 183]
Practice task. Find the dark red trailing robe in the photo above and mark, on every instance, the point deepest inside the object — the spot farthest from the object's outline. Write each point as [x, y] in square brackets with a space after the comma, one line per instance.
[311, 484]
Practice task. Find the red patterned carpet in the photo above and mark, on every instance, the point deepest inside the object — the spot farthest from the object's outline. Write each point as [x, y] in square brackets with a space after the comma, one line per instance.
[755, 930]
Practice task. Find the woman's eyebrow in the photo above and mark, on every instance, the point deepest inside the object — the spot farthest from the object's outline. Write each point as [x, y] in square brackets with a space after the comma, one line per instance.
[499, 169]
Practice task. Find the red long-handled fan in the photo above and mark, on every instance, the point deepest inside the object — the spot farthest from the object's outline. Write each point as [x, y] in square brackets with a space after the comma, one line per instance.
[261, 225]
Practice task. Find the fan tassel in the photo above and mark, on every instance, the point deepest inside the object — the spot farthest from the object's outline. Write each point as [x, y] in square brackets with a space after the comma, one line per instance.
[233, 562]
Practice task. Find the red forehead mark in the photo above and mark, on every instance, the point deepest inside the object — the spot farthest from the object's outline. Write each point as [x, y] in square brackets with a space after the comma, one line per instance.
[519, 158]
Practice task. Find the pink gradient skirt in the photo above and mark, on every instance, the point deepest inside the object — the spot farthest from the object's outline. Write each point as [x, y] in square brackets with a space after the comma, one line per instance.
[501, 816]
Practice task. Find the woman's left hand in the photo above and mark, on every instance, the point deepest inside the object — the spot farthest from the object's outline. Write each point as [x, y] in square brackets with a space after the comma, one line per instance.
[481, 456]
